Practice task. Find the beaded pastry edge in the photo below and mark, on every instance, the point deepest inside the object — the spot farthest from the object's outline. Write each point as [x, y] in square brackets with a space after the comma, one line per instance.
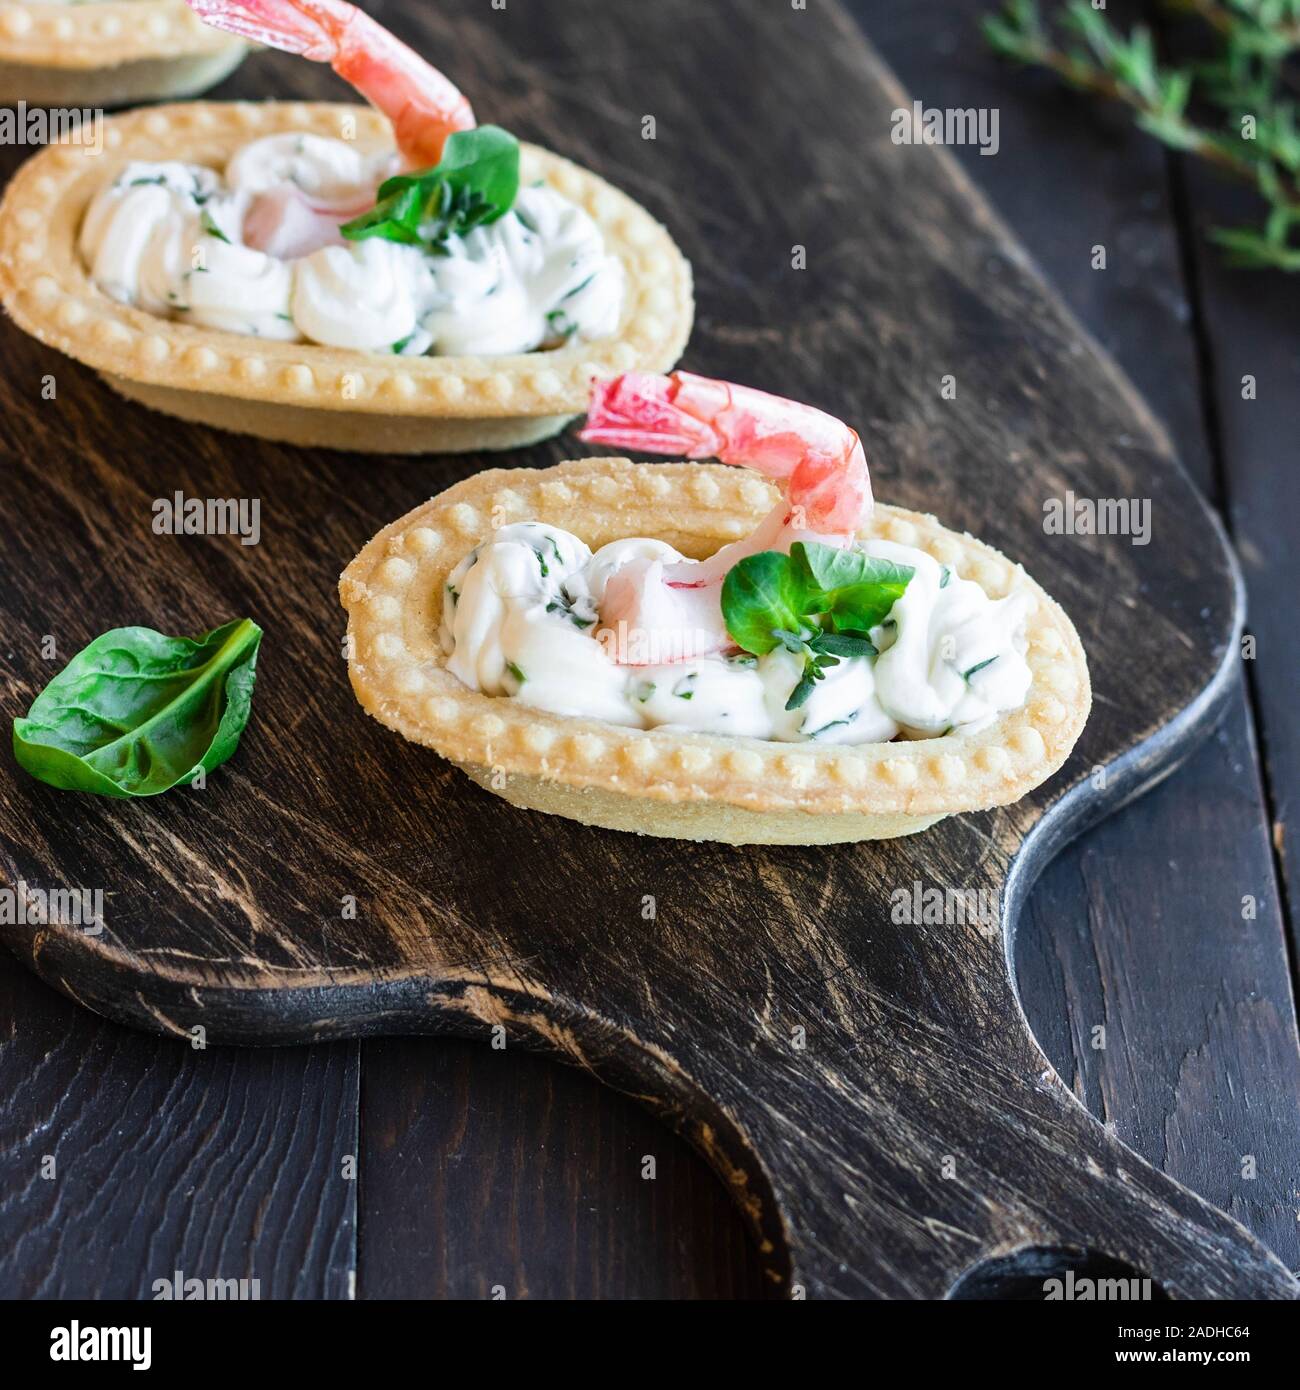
[393, 593]
[104, 35]
[45, 288]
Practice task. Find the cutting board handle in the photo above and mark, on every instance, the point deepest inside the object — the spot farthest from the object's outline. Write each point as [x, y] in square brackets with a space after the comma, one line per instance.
[877, 1152]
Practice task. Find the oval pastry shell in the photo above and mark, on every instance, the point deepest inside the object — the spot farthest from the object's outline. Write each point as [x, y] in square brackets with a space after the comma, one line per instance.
[303, 392]
[695, 786]
[109, 54]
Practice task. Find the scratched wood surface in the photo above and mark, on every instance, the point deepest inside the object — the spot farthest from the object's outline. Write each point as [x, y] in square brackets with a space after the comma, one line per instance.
[1199, 1065]
[224, 907]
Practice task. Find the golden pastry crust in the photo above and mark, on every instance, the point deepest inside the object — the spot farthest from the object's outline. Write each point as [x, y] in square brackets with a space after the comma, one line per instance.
[302, 392]
[109, 54]
[658, 782]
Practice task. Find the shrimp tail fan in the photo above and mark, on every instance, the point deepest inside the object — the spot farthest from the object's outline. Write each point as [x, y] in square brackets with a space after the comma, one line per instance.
[639, 411]
[292, 28]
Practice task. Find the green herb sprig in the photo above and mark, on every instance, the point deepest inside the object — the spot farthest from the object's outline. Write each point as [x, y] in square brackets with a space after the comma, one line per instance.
[818, 602]
[475, 183]
[1236, 110]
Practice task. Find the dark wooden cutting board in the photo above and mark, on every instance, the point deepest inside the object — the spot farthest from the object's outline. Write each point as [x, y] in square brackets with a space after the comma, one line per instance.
[868, 1090]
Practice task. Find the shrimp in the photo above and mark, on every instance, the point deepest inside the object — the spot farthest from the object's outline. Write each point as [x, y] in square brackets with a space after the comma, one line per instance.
[819, 459]
[424, 106]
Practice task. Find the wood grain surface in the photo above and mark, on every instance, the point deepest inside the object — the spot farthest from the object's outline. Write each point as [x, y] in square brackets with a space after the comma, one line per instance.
[1199, 1068]
[918, 1130]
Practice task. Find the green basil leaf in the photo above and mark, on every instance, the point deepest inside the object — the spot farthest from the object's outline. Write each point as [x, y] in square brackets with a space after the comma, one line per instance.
[761, 597]
[475, 182]
[771, 600]
[395, 217]
[831, 567]
[854, 590]
[485, 161]
[137, 712]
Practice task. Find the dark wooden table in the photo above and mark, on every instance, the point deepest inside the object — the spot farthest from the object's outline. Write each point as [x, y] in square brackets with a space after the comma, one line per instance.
[477, 1169]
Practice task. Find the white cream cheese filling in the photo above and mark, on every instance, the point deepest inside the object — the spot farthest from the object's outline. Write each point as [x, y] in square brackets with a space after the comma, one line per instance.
[521, 619]
[172, 238]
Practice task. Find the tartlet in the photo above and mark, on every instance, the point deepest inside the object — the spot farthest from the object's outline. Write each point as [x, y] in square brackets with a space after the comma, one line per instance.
[303, 393]
[659, 782]
[111, 54]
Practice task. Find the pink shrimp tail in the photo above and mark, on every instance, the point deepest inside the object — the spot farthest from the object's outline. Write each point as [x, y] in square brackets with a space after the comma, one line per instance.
[638, 411]
[423, 105]
[275, 23]
[820, 460]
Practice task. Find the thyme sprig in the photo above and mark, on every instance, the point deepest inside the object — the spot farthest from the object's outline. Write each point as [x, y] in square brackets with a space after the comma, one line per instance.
[1236, 109]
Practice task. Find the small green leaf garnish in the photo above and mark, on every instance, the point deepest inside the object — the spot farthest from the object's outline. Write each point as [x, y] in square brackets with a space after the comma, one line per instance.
[821, 651]
[475, 183]
[818, 602]
[761, 597]
[979, 666]
[137, 712]
[799, 695]
[855, 590]
[643, 690]
[945, 577]
[516, 672]
[685, 688]
[844, 644]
